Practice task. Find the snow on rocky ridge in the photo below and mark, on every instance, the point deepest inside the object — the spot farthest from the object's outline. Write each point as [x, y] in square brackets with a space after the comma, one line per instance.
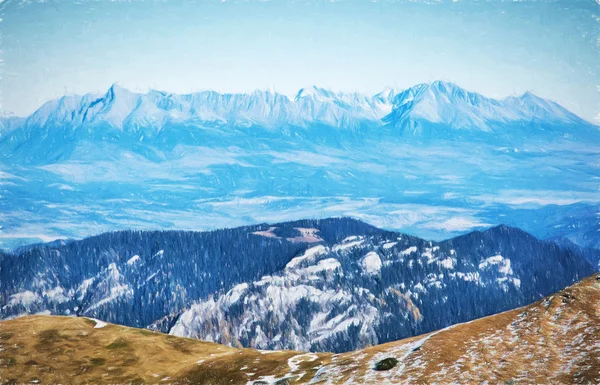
[347, 295]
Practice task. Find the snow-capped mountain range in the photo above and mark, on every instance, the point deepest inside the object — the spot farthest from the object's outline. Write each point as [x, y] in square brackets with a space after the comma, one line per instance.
[437, 102]
[153, 122]
[126, 110]
[328, 285]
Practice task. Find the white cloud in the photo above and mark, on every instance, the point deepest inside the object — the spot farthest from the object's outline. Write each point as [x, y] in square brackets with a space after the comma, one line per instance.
[303, 157]
[539, 197]
[457, 224]
[41, 237]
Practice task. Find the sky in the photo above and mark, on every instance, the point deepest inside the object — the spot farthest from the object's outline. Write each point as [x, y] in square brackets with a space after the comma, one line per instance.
[497, 48]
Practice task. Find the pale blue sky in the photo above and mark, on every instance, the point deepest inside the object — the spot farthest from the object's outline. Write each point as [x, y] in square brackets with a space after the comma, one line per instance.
[497, 48]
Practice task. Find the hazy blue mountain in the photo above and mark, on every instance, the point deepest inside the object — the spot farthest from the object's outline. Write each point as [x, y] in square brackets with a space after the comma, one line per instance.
[10, 123]
[334, 284]
[580, 225]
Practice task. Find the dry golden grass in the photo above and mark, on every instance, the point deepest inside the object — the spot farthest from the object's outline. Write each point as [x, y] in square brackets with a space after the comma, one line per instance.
[554, 341]
[67, 350]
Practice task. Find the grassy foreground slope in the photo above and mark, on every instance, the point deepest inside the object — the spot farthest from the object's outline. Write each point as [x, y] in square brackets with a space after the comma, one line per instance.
[553, 341]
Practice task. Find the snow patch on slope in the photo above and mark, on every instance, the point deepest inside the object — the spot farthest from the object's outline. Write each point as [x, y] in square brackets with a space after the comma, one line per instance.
[133, 260]
[503, 264]
[371, 263]
[25, 298]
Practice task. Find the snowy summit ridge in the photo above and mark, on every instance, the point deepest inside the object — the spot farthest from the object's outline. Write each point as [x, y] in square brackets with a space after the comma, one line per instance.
[438, 103]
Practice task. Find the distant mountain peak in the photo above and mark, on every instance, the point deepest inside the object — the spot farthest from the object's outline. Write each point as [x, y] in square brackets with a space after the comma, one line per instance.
[115, 90]
[446, 104]
[444, 86]
[116, 87]
[314, 92]
[387, 95]
[502, 228]
[439, 91]
[528, 94]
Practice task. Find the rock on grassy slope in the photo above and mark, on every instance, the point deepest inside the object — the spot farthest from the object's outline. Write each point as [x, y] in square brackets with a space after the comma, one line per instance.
[555, 340]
